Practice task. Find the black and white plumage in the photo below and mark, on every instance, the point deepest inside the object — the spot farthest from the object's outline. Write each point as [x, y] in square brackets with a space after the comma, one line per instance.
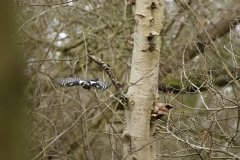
[86, 84]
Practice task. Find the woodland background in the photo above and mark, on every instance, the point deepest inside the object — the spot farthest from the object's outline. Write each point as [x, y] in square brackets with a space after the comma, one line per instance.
[199, 76]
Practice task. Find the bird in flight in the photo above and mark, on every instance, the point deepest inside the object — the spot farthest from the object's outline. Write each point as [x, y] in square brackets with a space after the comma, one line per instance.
[86, 84]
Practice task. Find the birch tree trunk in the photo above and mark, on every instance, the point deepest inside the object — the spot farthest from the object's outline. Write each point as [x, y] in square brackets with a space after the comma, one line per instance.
[143, 93]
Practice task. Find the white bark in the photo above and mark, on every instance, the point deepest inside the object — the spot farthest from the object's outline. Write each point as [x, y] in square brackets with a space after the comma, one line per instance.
[144, 80]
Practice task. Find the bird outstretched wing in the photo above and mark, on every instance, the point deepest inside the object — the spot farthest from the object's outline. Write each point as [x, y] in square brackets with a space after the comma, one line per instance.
[86, 84]
[100, 85]
[67, 82]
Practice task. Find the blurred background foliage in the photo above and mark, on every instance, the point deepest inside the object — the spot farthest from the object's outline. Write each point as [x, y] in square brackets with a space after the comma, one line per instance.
[198, 74]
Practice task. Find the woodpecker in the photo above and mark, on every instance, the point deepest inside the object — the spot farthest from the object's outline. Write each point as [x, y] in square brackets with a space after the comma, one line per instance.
[86, 84]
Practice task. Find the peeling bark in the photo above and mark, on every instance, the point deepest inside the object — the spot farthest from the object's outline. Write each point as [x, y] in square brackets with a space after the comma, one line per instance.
[143, 93]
